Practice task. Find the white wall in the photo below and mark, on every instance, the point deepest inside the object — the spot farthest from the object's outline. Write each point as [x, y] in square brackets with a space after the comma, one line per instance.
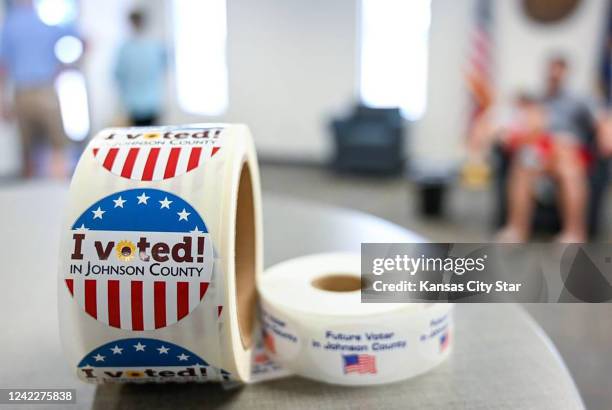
[525, 46]
[291, 66]
[103, 26]
[439, 134]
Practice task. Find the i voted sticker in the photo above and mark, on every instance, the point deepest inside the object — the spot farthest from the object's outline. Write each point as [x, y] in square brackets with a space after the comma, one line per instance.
[146, 360]
[155, 155]
[139, 259]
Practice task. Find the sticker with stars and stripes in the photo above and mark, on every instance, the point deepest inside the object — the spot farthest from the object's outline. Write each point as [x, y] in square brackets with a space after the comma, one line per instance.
[146, 360]
[139, 259]
[155, 154]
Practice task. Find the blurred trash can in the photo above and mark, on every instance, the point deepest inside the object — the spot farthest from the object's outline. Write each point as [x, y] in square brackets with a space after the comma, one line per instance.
[432, 185]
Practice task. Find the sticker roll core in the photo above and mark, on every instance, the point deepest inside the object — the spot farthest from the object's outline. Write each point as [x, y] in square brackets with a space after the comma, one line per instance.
[159, 254]
[315, 325]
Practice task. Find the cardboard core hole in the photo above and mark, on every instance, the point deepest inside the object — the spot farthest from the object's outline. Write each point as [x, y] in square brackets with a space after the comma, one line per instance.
[245, 263]
[337, 282]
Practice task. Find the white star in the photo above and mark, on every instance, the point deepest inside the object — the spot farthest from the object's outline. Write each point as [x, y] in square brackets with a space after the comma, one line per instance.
[81, 228]
[182, 357]
[98, 213]
[196, 231]
[140, 347]
[183, 215]
[99, 357]
[116, 349]
[142, 199]
[165, 203]
[163, 350]
[119, 202]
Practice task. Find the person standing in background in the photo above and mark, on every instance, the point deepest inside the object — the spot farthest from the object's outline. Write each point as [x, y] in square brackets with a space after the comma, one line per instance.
[29, 66]
[139, 71]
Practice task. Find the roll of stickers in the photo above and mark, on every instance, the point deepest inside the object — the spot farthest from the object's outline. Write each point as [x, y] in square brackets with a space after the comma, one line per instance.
[316, 326]
[159, 255]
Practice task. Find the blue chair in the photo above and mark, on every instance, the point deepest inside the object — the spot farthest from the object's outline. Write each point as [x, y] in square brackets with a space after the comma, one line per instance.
[370, 140]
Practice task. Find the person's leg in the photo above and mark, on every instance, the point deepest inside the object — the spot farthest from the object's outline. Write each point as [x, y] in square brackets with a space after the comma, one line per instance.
[520, 203]
[51, 118]
[144, 121]
[604, 133]
[572, 177]
[154, 119]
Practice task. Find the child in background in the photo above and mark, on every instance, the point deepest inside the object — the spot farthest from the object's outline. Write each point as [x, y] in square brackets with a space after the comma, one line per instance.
[527, 137]
[523, 132]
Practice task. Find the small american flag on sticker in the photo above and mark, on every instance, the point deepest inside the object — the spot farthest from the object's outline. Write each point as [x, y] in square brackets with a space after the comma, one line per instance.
[444, 340]
[359, 363]
[268, 340]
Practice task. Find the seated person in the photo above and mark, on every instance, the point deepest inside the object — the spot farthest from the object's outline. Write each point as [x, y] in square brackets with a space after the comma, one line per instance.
[549, 136]
[538, 151]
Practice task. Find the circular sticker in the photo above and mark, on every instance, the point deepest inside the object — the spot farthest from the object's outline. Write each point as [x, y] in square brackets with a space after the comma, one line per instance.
[146, 360]
[155, 154]
[139, 259]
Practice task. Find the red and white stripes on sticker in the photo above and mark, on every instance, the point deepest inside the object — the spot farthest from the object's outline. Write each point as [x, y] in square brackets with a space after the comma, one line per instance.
[135, 304]
[152, 163]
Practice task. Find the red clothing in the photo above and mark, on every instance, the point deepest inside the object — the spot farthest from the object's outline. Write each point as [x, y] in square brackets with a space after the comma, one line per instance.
[544, 145]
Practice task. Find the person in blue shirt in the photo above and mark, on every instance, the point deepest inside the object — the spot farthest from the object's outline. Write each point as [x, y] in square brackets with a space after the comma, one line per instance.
[140, 73]
[29, 66]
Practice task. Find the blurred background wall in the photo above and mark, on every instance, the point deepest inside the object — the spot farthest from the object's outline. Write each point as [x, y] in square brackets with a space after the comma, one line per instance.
[524, 46]
[292, 65]
[104, 26]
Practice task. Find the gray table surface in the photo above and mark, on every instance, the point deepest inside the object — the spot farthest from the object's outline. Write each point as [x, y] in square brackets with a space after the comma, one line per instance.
[502, 359]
